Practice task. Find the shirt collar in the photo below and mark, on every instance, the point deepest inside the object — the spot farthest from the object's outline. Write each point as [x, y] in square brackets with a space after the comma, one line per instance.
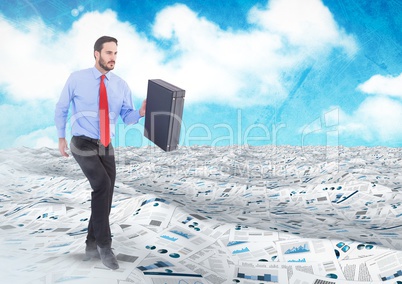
[98, 74]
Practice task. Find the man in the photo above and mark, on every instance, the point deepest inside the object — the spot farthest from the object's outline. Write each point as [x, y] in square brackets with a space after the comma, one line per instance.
[97, 97]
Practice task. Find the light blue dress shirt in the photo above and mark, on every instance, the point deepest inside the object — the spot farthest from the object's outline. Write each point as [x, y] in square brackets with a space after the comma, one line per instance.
[82, 92]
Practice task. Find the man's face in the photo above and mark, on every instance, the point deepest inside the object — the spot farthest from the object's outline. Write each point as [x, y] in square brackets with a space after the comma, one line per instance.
[107, 57]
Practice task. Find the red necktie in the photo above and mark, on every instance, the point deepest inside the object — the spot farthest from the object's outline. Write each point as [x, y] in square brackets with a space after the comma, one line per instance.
[103, 114]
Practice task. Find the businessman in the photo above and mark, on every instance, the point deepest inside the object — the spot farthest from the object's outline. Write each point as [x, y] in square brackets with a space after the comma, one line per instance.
[97, 97]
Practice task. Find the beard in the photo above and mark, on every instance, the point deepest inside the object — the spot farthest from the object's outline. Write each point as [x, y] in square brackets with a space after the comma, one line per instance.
[104, 65]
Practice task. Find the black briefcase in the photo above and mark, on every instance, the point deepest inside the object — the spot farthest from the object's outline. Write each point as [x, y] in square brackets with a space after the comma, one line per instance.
[163, 115]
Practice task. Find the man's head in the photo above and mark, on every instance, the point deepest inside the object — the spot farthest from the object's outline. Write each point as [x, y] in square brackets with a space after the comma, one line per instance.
[105, 51]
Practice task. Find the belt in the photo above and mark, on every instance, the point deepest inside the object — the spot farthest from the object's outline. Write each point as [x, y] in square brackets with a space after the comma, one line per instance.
[93, 140]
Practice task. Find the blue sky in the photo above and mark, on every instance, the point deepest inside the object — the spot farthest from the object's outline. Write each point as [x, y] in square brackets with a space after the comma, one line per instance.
[278, 72]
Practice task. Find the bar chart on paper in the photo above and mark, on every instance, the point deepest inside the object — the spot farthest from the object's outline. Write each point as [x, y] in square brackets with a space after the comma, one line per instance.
[177, 280]
[389, 277]
[261, 274]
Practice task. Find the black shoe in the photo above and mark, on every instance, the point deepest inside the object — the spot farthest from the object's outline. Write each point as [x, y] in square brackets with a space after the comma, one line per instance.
[91, 251]
[108, 258]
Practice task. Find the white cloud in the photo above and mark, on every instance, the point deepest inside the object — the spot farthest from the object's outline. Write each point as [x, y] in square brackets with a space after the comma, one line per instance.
[307, 24]
[219, 66]
[29, 60]
[41, 59]
[38, 139]
[378, 117]
[247, 67]
[383, 85]
[240, 68]
[244, 67]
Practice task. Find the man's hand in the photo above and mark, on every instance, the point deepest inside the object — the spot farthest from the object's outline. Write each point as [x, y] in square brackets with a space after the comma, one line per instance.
[143, 108]
[63, 147]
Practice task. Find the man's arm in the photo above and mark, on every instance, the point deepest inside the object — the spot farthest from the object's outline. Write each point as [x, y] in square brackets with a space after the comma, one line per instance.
[60, 116]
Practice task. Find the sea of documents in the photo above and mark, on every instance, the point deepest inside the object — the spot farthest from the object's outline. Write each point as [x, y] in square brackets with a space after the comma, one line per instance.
[236, 214]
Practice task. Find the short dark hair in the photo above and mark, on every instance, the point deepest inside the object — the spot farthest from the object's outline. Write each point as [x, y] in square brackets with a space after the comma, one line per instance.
[100, 41]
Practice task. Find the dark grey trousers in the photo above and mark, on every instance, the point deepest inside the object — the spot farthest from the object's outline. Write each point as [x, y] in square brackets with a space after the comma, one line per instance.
[98, 165]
